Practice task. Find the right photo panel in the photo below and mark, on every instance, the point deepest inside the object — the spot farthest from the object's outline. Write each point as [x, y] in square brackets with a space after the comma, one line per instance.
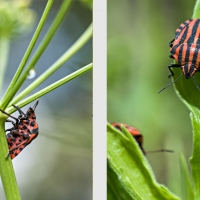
[153, 99]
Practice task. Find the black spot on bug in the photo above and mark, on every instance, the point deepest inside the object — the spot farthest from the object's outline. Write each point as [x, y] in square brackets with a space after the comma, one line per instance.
[13, 140]
[15, 154]
[27, 122]
[20, 149]
[32, 123]
[25, 136]
[10, 144]
[24, 127]
[20, 140]
[34, 131]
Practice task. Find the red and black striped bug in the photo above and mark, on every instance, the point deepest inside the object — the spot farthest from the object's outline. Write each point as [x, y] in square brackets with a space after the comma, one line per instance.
[137, 136]
[23, 132]
[185, 49]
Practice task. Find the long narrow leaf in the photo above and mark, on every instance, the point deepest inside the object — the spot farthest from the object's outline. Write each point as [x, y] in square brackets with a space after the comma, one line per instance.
[133, 172]
[189, 95]
[187, 190]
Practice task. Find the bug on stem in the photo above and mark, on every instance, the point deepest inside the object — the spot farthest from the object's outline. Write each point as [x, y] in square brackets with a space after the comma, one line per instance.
[24, 130]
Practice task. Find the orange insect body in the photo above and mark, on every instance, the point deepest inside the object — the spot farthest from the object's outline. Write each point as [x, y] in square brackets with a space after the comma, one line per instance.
[133, 131]
[137, 136]
[185, 48]
[23, 132]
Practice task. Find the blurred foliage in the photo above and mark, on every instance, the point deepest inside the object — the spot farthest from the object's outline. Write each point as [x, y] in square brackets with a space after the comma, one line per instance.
[138, 56]
[87, 3]
[16, 18]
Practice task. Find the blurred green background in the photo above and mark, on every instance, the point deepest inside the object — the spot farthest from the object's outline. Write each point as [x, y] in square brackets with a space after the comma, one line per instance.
[138, 56]
[58, 164]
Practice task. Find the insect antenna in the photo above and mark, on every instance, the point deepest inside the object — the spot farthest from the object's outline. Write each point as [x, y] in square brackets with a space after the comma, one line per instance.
[160, 150]
[196, 83]
[34, 107]
[171, 83]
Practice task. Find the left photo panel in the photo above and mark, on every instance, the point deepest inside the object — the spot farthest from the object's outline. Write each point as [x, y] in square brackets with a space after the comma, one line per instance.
[46, 99]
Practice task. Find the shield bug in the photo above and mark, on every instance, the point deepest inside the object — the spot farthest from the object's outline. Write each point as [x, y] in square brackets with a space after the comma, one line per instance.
[137, 136]
[23, 132]
[185, 49]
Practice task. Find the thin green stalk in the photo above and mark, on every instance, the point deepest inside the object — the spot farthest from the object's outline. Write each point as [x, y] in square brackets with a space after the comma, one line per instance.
[66, 56]
[51, 87]
[196, 12]
[4, 51]
[47, 38]
[10, 91]
[6, 168]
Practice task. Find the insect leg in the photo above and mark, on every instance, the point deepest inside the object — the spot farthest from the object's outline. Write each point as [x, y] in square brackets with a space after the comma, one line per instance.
[171, 56]
[13, 123]
[17, 120]
[171, 43]
[34, 107]
[19, 110]
[10, 129]
[171, 66]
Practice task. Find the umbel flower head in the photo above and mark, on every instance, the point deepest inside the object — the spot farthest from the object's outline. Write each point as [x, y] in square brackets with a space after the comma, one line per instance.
[16, 18]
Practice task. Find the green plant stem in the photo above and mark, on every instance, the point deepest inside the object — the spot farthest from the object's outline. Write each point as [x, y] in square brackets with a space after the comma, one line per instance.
[196, 12]
[47, 38]
[10, 91]
[6, 169]
[51, 87]
[4, 51]
[195, 160]
[66, 56]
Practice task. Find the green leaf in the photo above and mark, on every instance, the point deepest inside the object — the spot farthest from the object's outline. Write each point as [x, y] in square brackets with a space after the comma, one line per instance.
[187, 189]
[129, 173]
[195, 160]
[189, 95]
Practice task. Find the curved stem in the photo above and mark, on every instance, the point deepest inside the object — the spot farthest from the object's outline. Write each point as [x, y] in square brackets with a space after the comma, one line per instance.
[6, 168]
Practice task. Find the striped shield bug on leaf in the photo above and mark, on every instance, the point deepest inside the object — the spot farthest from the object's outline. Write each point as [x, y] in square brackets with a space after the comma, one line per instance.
[24, 130]
[185, 49]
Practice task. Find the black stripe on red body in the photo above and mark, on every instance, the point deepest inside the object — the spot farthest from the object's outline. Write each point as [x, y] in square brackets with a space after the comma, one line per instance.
[185, 48]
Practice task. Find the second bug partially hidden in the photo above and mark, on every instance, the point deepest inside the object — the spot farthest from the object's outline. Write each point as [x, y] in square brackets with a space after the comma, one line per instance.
[24, 130]
[137, 136]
